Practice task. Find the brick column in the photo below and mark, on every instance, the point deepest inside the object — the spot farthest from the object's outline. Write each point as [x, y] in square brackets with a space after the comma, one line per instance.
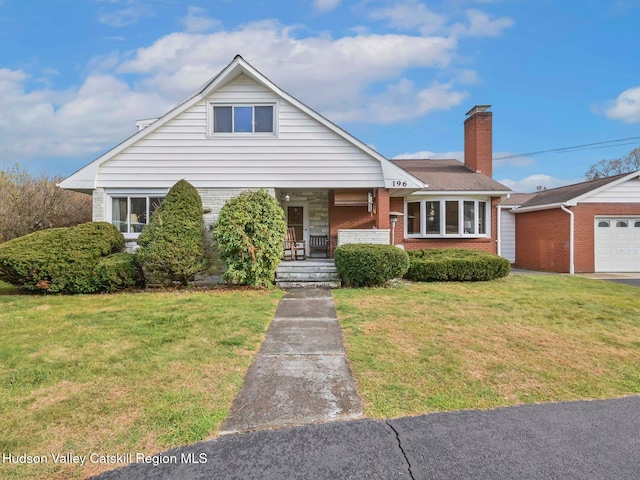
[382, 208]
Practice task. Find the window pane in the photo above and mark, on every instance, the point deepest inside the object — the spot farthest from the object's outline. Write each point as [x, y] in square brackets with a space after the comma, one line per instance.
[222, 119]
[154, 203]
[413, 218]
[433, 217]
[451, 217]
[469, 217]
[242, 119]
[264, 119]
[637, 224]
[603, 223]
[622, 224]
[138, 214]
[295, 216]
[482, 221]
[119, 213]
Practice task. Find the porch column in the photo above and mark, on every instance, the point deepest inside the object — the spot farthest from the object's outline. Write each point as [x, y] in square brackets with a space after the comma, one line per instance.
[382, 208]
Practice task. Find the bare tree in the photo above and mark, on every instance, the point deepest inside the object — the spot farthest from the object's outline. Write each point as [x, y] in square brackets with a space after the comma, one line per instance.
[615, 166]
[29, 203]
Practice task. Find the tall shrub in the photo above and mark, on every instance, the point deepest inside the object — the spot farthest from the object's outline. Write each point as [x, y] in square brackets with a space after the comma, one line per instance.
[250, 233]
[172, 244]
[59, 260]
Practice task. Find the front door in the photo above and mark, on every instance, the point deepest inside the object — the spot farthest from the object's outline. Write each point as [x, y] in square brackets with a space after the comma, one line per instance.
[298, 220]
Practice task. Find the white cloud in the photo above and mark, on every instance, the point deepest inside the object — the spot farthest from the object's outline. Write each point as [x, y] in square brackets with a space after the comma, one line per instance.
[352, 78]
[412, 14]
[325, 5]
[626, 107]
[532, 182]
[196, 20]
[124, 17]
[409, 15]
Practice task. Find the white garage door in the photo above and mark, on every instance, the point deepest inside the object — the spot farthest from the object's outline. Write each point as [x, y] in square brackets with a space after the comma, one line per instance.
[617, 244]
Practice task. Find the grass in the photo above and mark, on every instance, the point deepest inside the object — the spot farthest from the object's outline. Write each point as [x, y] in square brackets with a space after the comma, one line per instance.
[132, 372]
[421, 348]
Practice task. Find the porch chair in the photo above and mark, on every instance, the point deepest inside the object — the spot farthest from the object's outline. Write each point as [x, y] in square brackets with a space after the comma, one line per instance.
[319, 242]
[294, 249]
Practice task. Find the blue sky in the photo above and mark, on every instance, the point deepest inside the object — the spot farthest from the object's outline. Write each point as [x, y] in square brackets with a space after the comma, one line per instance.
[399, 75]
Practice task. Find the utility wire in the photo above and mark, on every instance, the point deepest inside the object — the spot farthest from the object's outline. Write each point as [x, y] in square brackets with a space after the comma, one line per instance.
[586, 146]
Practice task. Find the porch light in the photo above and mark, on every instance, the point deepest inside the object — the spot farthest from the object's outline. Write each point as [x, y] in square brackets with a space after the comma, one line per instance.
[393, 217]
[287, 198]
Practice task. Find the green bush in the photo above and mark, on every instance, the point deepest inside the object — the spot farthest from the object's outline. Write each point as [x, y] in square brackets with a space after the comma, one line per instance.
[172, 245]
[250, 232]
[456, 265]
[118, 272]
[369, 265]
[59, 260]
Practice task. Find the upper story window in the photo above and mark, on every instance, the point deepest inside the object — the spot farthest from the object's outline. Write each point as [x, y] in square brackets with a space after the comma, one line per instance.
[447, 218]
[243, 119]
[131, 214]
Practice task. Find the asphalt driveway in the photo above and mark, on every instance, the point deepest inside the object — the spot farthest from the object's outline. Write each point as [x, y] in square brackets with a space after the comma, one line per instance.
[577, 440]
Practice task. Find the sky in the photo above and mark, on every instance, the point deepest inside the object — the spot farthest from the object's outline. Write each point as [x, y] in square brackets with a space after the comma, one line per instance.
[75, 75]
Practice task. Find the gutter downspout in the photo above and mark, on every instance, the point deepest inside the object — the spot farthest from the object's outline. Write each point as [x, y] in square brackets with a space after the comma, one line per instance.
[499, 224]
[571, 237]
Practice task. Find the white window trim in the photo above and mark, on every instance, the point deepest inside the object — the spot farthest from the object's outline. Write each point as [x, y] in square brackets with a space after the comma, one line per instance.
[442, 200]
[210, 120]
[129, 194]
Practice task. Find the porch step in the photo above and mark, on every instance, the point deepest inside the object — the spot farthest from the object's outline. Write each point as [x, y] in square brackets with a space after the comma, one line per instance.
[308, 273]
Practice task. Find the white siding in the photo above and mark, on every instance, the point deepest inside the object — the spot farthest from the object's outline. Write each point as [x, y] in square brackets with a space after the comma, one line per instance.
[626, 192]
[508, 235]
[304, 154]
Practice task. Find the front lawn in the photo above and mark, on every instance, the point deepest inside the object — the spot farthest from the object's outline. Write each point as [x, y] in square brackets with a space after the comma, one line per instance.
[108, 374]
[421, 348]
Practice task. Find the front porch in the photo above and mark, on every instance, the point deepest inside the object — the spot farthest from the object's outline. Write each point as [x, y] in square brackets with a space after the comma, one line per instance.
[336, 216]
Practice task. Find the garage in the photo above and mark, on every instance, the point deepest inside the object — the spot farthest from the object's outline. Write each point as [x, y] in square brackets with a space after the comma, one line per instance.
[617, 244]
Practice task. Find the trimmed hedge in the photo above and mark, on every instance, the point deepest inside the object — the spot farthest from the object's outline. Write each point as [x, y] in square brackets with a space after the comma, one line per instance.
[250, 232]
[119, 272]
[171, 246]
[455, 265]
[370, 265]
[59, 260]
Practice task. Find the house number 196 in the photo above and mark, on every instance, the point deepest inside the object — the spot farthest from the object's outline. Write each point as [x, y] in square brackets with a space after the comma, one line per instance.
[398, 183]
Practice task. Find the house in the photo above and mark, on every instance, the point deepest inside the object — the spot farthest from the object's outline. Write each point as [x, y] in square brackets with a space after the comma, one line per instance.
[241, 131]
[591, 226]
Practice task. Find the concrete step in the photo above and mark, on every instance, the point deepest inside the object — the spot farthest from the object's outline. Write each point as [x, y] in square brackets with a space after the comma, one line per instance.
[312, 284]
[307, 276]
[283, 267]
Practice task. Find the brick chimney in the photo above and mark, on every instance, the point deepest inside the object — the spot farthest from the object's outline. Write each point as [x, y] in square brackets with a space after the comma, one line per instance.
[478, 140]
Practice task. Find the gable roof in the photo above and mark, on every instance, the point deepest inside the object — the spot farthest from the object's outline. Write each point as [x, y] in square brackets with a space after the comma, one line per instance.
[85, 178]
[450, 176]
[572, 194]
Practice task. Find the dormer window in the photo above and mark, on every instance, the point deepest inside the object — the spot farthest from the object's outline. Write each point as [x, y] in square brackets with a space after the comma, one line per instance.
[243, 119]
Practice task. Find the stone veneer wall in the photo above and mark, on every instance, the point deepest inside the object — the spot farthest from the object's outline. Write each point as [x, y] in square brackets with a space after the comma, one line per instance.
[98, 205]
[318, 201]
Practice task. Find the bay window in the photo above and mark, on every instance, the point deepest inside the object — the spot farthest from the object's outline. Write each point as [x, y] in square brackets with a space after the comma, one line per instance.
[131, 214]
[447, 218]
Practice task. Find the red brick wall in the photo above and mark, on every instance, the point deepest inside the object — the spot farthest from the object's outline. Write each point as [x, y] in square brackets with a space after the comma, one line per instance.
[542, 240]
[478, 149]
[348, 217]
[483, 244]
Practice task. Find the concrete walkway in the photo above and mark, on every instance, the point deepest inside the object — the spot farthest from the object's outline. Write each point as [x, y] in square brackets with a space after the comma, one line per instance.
[301, 374]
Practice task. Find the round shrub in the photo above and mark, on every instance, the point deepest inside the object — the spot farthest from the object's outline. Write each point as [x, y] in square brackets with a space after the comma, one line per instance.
[250, 232]
[171, 246]
[59, 260]
[118, 272]
[369, 265]
[455, 265]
